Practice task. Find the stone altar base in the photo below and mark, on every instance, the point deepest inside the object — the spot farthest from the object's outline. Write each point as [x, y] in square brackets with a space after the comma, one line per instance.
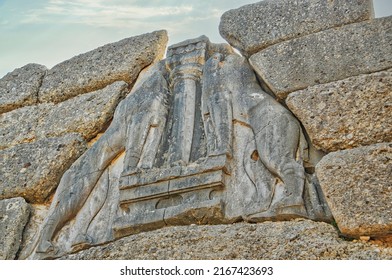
[172, 196]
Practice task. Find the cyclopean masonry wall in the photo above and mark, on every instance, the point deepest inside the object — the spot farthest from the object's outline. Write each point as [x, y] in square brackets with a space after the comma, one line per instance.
[337, 82]
[196, 140]
[40, 140]
[203, 145]
[254, 27]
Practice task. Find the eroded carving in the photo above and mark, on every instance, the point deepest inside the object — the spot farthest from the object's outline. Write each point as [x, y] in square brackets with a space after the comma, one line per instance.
[137, 125]
[281, 147]
[185, 62]
[203, 144]
[216, 109]
[189, 172]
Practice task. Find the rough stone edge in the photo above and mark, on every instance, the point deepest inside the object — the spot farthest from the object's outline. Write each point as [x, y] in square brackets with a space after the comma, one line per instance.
[13, 251]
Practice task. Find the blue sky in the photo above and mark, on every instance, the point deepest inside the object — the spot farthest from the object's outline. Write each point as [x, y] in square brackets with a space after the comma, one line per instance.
[50, 31]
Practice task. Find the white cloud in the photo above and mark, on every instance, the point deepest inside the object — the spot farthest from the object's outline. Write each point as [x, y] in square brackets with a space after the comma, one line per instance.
[103, 13]
[50, 31]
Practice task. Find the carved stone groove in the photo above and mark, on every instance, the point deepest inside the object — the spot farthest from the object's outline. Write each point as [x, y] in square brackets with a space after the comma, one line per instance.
[196, 142]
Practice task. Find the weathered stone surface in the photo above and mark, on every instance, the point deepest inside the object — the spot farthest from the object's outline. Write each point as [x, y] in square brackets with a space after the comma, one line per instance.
[191, 133]
[296, 240]
[256, 26]
[331, 55]
[90, 226]
[20, 87]
[14, 214]
[33, 170]
[87, 174]
[19, 126]
[37, 215]
[98, 68]
[348, 113]
[87, 114]
[358, 188]
[272, 155]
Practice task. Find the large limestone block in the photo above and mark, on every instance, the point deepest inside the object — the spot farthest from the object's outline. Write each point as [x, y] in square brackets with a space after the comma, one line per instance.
[19, 126]
[98, 68]
[331, 55]
[294, 240]
[357, 184]
[348, 113]
[20, 87]
[254, 27]
[87, 114]
[14, 214]
[33, 170]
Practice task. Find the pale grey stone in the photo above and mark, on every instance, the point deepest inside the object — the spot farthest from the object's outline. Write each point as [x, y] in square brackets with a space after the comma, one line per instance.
[33, 170]
[294, 240]
[87, 115]
[19, 126]
[122, 60]
[282, 147]
[94, 224]
[180, 191]
[185, 61]
[190, 156]
[37, 215]
[253, 27]
[331, 55]
[20, 87]
[269, 149]
[142, 110]
[14, 214]
[223, 48]
[184, 199]
[90, 225]
[347, 113]
[358, 187]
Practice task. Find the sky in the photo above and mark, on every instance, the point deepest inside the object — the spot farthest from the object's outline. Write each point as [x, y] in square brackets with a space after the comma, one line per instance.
[50, 31]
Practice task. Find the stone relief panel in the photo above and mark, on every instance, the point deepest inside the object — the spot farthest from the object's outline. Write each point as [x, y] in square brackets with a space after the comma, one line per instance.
[196, 142]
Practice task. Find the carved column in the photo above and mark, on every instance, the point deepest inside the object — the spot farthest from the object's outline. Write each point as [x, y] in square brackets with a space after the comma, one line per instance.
[185, 62]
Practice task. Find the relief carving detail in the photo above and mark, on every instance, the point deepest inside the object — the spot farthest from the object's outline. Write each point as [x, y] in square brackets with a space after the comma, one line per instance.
[196, 142]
